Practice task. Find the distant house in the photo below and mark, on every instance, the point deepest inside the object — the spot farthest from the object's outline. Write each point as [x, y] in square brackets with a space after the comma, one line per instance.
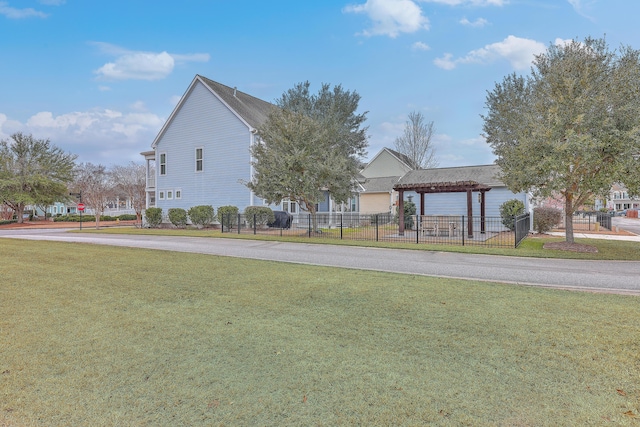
[619, 199]
[378, 178]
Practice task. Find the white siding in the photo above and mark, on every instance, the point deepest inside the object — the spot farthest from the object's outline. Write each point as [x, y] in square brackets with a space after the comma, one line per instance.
[385, 164]
[205, 122]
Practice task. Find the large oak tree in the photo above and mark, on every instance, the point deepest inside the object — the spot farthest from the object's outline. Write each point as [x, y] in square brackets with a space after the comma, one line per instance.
[571, 127]
[33, 172]
[310, 143]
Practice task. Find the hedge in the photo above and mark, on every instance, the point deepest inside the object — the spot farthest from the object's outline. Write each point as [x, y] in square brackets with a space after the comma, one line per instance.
[201, 215]
[178, 217]
[153, 216]
[262, 214]
[228, 214]
[544, 218]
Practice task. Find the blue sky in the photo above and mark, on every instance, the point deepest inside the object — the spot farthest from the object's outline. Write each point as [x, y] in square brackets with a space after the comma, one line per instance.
[100, 78]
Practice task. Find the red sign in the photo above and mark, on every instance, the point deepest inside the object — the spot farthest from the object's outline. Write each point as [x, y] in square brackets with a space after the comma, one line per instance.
[81, 207]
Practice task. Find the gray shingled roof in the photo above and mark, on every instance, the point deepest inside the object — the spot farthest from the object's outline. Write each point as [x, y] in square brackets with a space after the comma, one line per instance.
[379, 185]
[253, 110]
[402, 157]
[487, 175]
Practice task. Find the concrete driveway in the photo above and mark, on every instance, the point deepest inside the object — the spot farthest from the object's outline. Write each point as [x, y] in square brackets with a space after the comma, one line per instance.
[600, 276]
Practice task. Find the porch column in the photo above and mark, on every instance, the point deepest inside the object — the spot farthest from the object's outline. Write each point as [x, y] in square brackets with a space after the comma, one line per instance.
[469, 214]
[400, 212]
[422, 204]
[482, 212]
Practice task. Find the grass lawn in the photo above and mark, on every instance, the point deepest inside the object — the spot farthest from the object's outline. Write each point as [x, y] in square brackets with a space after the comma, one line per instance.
[93, 335]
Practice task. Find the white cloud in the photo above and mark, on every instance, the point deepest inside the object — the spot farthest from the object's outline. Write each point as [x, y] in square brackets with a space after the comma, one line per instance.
[470, 2]
[13, 13]
[420, 46]
[478, 23]
[99, 136]
[581, 6]
[140, 65]
[391, 17]
[518, 51]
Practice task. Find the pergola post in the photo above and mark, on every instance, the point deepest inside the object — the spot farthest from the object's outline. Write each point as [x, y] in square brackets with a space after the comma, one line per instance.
[469, 214]
[401, 212]
[482, 212]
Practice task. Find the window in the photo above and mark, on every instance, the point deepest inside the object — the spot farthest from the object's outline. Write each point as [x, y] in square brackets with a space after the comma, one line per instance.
[289, 206]
[178, 194]
[199, 160]
[161, 195]
[163, 163]
[169, 195]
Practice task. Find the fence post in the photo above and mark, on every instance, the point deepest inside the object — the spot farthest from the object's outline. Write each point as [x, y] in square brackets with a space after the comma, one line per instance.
[462, 229]
[309, 225]
[255, 225]
[417, 225]
[515, 232]
[341, 215]
[376, 216]
[238, 223]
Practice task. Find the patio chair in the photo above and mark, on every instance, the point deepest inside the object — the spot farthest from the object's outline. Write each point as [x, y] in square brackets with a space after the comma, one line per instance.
[428, 225]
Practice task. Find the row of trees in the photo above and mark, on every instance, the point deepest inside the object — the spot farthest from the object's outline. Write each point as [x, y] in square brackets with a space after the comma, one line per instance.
[33, 172]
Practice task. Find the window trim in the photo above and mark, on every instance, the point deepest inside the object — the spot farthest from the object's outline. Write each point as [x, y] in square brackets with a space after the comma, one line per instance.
[162, 169]
[161, 195]
[177, 193]
[199, 160]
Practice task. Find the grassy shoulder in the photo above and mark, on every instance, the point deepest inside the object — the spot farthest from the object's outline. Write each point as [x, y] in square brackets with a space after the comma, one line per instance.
[97, 335]
[530, 247]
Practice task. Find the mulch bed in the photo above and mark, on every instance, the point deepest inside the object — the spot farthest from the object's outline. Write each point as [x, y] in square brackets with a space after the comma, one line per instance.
[572, 247]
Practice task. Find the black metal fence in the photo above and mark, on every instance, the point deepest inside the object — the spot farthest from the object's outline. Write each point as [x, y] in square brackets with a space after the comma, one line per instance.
[432, 229]
[590, 221]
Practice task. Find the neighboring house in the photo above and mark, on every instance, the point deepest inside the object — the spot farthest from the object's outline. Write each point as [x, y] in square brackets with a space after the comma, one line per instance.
[619, 199]
[202, 154]
[378, 178]
[447, 191]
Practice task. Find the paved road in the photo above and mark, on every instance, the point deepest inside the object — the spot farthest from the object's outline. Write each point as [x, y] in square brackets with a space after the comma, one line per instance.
[604, 276]
[628, 224]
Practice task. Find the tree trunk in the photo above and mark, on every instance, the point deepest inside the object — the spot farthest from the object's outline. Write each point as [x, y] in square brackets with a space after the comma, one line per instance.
[20, 212]
[97, 221]
[568, 218]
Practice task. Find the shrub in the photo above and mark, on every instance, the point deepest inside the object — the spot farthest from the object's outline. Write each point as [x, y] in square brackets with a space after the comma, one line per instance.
[201, 215]
[544, 218]
[178, 217]
[409, 212]
[153, 216]
[228, 214]
[262, 214]
[127, 217]
[509, 210]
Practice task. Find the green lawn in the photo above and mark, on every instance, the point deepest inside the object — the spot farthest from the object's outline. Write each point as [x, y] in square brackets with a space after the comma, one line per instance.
[93, 335]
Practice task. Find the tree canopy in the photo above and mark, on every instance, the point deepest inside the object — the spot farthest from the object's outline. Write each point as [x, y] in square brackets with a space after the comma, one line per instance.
[570, 128]
[33, 172]
[130, 181]
[96, 186]
[309, 144]
[415, 142]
